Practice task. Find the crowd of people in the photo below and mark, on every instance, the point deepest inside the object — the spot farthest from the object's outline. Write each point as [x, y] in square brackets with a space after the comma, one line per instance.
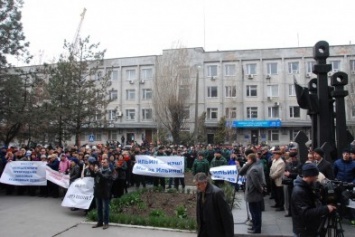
[268, 171]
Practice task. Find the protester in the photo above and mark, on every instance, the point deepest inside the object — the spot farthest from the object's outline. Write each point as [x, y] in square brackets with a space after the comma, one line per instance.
[120, 181]
[254, 187]
[276, 171]
[292, 170]
[200, 165]
[102, 192]
[307, 211]
[159, 180]
[323, 166]
[218, 160]
[213, 214]
[53, 163]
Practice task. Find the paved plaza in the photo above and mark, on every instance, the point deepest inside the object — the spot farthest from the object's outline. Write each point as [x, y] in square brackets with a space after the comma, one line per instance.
[27, 216]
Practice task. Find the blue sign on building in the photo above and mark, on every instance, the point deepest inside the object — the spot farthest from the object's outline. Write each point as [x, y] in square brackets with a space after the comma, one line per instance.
[256, 124]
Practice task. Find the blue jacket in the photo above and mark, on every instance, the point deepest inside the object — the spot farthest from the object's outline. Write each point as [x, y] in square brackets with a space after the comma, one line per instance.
[344, 170]
[54, 165]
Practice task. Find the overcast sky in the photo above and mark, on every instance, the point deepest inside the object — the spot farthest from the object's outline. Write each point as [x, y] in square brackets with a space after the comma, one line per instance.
[145, 27]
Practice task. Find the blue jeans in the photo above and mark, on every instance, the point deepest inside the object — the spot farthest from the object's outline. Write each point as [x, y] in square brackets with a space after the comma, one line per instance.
[255, 211]
[103, 208]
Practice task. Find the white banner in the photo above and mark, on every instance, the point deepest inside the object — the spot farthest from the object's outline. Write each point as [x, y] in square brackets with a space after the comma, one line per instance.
[225, 172]
[56, 177]
[80, 193]
[160, 166]
[24, 173]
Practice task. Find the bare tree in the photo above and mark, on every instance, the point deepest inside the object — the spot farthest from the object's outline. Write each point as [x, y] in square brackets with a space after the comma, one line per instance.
[171, 97]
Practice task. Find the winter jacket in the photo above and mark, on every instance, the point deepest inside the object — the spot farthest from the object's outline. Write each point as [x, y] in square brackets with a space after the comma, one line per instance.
[218, 161]
[214, 216]
[326, 168]
[255, 181]
[54, 165]
[200, 166]
[103, 183]
[74, 173]
[64, 166]
[277, 170]
[344, 170]
[306, 209]
[121, 170]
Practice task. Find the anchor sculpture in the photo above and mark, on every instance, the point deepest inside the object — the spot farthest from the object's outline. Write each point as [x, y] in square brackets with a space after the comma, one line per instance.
[329, 130]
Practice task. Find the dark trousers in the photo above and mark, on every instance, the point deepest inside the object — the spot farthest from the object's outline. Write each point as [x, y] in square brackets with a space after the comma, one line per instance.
[279, 195]
[177, 181]
[158, 180]
[103, 208]
[255, 211]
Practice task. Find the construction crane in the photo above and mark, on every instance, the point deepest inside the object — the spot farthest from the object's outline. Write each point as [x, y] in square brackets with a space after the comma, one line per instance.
[77, 33]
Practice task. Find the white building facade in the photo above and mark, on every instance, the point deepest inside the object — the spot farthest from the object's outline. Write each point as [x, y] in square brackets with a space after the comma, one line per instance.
[253, 89]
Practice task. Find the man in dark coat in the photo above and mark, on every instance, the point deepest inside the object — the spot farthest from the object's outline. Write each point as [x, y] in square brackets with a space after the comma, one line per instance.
[214, 216]
[325, 167]
[307, 211]
[102, 192]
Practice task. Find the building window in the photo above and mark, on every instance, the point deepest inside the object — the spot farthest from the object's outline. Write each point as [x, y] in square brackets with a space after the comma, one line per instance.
[252, 91]
[293, 68]
[310, 65]
[99, 75]
[231, 91]
[291, 90]
[186, 113]
[273, 90]
[251, 69]
[273, 135]
[147, 114]
[352, 65]
[97, 116]
[295, 112]
[353, 111]
[212, 92]
[273, 112]
[113, 74]
[231, 113]
[131, 74]
[146, 74]
[271, 68]
[212, 113]
[111, 115]
[147, 94]
[98, 136]
[230, 70]
[335, 65]
[113, 136]
[252, 112]
[293, 133]
[113, 95]
[130, 114]
[130, 94]
[212, 71]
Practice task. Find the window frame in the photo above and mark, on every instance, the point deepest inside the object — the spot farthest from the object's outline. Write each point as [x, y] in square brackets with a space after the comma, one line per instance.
[146, 92]
[292, 111]
[129, 93]
[290, 67]
[250, 110]
[210, 112]
[145, 112]
[250, 89]
[269, 68]
[231, 91]
[210, 71]
[129, 112]
[210, 92]
[229, 70]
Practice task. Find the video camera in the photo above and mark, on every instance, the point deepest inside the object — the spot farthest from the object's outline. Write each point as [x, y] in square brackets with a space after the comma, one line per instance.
[337, 192]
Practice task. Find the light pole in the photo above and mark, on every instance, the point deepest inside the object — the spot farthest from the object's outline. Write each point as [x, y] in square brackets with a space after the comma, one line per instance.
[196, 106]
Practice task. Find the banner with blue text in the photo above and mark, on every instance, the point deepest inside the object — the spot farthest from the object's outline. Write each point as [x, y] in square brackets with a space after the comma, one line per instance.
[225, 172]
[24, 173]
[160, 166]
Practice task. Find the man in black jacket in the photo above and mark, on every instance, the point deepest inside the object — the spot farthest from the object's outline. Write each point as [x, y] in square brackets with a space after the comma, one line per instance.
[102, 192]
[214, 216]
[307, 211]
[324, 166]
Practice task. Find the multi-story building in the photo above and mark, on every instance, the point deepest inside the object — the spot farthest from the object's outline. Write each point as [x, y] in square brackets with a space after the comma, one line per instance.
[254, 90]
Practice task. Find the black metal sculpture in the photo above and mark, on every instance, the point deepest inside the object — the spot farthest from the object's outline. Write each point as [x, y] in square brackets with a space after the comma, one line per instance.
[329, 130]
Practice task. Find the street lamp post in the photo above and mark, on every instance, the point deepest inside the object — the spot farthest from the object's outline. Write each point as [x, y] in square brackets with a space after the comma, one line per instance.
[196, 107]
